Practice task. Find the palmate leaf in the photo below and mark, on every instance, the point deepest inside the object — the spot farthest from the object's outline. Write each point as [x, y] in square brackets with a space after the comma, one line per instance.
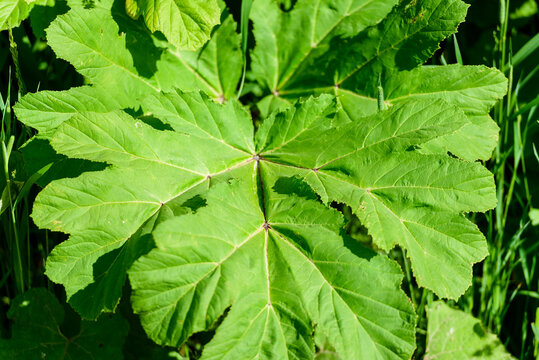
[348, 60]
[454, 334]
[239, 223]
[36, 332]
[224, 254]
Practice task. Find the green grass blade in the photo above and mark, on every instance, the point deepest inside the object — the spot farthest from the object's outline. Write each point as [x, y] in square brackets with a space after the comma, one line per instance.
[525, 51]
[457, 50]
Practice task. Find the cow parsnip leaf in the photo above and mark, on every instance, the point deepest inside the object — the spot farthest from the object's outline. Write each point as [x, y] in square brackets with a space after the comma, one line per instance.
[37, 318]
[239, 222]
[146, 184]
[186, 24]
[349, 63]
[288, 41]
[454, 334]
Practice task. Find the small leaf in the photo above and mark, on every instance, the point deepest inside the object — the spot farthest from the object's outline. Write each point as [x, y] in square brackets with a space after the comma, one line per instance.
[454, 334]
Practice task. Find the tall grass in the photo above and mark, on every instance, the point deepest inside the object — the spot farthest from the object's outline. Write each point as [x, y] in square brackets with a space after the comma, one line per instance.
[14, 231]
[507, 281]
[16, 187]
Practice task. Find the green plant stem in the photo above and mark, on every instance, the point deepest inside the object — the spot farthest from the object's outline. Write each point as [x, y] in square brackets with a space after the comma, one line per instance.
[421, 308]
[15, 57]
[19, 274]
[408, 276]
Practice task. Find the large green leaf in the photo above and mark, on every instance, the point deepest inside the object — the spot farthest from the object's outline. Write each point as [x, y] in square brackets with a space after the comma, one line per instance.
[349, 63]
[37, 319]
[454, 334]
[402, 196]
[186, 24]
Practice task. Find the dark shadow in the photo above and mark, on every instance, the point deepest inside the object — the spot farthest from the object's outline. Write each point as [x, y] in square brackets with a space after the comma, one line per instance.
[42, 16]
[478, 330]
[138, 40]
[110, 272]
[70, 327]
[196, 342]
[294, 185]
[486, 351]
[88, 4]
[137, 345]
[299, 240]
[195, 203]
[356, 248]
[149, 119]
[38, 152]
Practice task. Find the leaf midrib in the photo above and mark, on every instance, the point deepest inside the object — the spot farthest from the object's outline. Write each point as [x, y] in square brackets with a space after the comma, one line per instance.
[332, 288]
